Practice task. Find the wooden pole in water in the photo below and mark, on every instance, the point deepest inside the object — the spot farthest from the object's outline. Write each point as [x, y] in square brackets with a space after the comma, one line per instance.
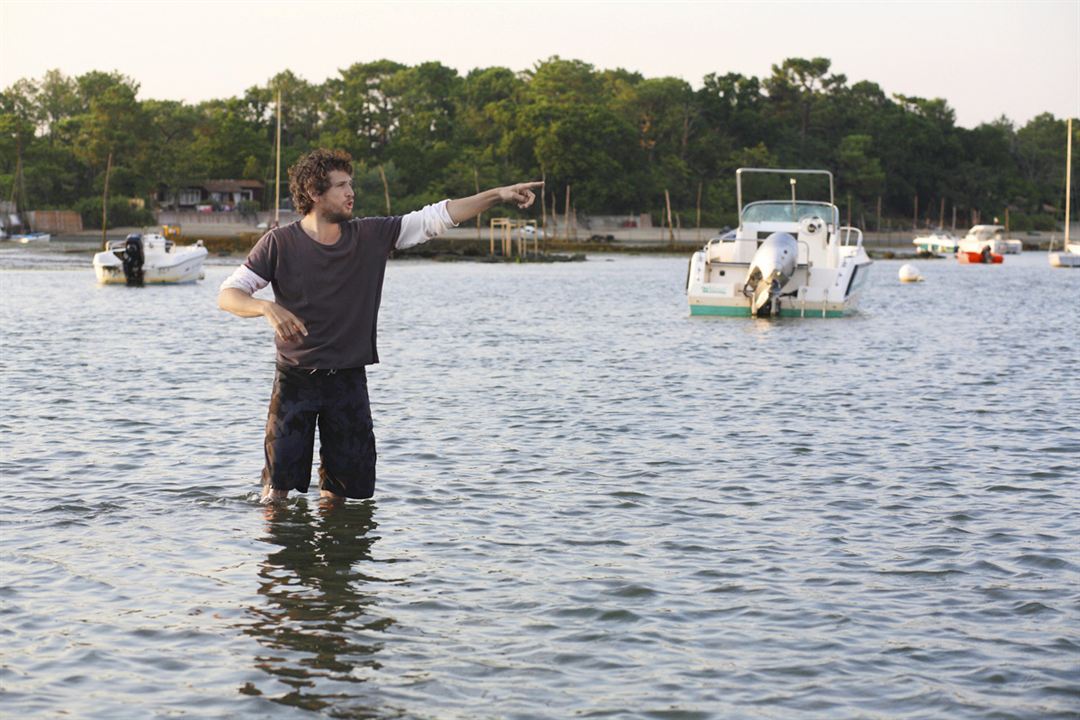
[941, 215]
[667, 202]
[277, 164]
[554, 213]
[385, 189]
[697, 235]
[543, 207]
[567, 211]
[476, 179]
[954, 217]
[105, 205]
[1006, 219]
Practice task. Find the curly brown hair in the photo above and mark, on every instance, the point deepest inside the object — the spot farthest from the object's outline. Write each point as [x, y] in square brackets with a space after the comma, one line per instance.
[310, 175]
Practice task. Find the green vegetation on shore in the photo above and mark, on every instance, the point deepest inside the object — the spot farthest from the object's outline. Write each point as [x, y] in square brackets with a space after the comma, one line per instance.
[617, 138]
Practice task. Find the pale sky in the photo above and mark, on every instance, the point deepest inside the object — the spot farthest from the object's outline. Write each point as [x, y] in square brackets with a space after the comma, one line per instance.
[985, 58]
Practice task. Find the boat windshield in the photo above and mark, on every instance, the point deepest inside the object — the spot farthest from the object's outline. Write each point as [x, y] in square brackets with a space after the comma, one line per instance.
[780, 211]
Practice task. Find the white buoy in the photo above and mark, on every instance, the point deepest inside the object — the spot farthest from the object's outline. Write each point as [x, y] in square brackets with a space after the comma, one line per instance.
[909, 274]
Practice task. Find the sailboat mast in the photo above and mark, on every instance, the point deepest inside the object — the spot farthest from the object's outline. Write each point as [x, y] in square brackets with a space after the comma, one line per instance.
[1068, 181]
[277, 172]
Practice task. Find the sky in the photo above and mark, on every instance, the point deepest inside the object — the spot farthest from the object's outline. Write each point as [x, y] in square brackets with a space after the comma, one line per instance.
[986, 59]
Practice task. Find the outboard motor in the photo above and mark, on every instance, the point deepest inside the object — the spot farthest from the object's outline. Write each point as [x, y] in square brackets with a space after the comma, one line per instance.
[133, 260]
[770, 269]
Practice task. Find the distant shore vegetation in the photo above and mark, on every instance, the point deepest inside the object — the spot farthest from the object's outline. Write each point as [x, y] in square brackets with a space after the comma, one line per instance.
[619, 139]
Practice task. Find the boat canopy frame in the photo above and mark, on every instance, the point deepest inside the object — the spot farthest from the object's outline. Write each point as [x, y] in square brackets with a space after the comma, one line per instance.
[779, 171]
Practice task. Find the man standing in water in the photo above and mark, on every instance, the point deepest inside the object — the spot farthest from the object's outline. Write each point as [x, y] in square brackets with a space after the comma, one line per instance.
[327, 273]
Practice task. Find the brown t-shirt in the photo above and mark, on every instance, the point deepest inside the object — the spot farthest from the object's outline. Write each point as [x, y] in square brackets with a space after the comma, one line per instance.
[334, 289]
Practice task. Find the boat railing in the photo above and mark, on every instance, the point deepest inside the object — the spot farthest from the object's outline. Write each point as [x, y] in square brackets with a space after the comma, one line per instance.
[807, 262]
[845, 239]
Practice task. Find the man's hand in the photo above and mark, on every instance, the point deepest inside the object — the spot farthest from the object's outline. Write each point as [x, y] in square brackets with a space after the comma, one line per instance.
[520, 194]
[287, 326]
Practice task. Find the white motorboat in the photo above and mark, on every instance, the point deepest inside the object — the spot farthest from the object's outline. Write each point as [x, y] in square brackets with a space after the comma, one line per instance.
[1013, 246]
[991, 237]
[149, 258]
[788, 258]
[35, 237]
[939, 241]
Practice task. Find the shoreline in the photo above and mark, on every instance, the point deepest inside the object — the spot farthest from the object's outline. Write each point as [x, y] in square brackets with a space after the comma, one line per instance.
[463, 244]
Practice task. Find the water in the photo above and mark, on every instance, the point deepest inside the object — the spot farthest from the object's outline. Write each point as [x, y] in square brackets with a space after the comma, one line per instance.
[589, 503]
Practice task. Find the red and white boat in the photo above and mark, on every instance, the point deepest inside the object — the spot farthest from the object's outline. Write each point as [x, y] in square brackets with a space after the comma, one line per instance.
[983, 257]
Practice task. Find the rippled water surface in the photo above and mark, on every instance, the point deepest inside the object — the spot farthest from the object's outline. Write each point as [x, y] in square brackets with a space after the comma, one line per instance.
[589, 504]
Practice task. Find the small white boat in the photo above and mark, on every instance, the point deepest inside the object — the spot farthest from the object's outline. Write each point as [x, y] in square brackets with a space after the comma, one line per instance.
[991, 237]
[1069, 257]
[36, 237]
[149, 258]
[788, 258]
[939, 241]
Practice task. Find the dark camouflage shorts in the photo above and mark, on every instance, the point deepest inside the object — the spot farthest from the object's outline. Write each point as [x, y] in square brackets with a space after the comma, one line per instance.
[336, 401]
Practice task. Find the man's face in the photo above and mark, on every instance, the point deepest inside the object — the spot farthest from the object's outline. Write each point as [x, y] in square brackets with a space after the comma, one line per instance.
[336, 204]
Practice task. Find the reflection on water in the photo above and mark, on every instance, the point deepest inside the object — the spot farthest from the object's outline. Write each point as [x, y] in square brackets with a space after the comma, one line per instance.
[315, 620]
[590, 504]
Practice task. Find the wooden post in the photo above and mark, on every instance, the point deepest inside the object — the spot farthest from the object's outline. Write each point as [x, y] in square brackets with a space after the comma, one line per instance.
[916, 225]
[543, 207]
[105, 205]
[667, 202]
[476, 179]
[554, 213]
[386, 190]
[697, 235]
[277, 162]
[941, 215]
[1006, 219]
[567, 210]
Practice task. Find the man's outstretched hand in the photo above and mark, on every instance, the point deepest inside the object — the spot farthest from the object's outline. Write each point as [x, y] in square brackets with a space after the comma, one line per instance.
[521, 194]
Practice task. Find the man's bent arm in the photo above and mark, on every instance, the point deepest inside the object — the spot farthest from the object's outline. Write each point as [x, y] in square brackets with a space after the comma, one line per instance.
[240, 303]
[235, 296]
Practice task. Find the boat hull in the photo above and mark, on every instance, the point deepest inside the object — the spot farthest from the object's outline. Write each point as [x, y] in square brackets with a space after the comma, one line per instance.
[810, 310]
[32, 238]
[1064, 259]
[980, 258]
[187, 267]
[807, 294]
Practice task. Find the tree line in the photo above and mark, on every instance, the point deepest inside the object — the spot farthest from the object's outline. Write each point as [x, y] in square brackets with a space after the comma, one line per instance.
[617, 138]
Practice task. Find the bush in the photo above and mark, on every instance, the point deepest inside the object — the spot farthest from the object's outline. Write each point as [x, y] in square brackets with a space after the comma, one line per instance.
[121, 213]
